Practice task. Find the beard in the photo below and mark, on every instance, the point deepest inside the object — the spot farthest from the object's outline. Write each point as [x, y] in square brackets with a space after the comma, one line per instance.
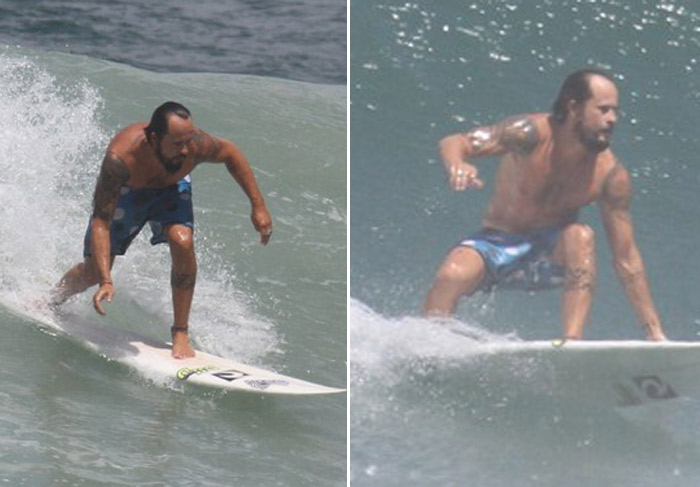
[596, 141]
[171, 165]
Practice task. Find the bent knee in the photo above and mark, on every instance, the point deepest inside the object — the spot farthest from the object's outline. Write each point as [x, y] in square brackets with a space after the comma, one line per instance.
[463, 265]
[579, 235]
[181, 238]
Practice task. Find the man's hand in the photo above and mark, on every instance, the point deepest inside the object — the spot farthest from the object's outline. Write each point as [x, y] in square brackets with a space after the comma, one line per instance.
[464, 175]
[106, 291]
[262, 223]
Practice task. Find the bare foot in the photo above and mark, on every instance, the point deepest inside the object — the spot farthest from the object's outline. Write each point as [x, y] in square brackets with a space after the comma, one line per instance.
[181, 345]
[654, 333]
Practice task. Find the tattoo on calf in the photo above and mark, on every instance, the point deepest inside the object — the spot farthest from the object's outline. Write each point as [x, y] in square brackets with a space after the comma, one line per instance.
[579, 279]
[113, 175]
[628, 277]
[182, 281]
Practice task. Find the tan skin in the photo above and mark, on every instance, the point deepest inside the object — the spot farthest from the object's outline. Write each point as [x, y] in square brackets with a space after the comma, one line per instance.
[548, 172]
[134, 161]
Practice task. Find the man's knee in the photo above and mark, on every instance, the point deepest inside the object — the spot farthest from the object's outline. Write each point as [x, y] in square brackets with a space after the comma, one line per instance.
[452, 272]
[579, 236]
[462, 267]
[181, 238]
[580, 258]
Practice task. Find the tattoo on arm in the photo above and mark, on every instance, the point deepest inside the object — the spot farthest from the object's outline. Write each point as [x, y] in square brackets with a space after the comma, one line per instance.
[182, 281]
[515, 134]
[616, 195]
[113, 175]
[616, 190]
[208, 147]
[616, 198]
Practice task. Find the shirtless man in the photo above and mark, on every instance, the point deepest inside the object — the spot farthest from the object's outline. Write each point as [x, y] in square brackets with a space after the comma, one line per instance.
[552, 166]
[144, 178]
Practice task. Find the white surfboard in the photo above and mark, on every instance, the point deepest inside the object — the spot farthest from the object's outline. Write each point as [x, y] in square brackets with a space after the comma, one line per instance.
[213, 371]
[152, 359]
[617, 373]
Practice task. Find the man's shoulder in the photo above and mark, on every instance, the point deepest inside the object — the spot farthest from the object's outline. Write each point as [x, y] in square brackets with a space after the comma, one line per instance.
[522, 133]
[610, 165]
[543, 122]
[128, 140]
[538, 118]
[132, 130]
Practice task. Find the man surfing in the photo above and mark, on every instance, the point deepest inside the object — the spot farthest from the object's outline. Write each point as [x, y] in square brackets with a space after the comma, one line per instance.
[552, 166]
[144, 179]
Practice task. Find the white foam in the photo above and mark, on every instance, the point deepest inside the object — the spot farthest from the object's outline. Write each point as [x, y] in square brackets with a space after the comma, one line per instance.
[379, 344]
[50, 143]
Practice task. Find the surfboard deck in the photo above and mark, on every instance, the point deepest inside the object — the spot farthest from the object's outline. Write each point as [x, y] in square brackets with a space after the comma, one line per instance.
[213, 371]
[152, 359]
[620, 373]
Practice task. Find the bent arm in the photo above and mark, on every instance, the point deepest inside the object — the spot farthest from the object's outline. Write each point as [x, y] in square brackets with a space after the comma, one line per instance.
[240, 169]
[518, 134]
[629, 266]
[213, 149]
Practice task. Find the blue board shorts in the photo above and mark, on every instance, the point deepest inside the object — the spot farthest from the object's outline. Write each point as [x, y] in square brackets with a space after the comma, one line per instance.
[136, 207]
[517, 261]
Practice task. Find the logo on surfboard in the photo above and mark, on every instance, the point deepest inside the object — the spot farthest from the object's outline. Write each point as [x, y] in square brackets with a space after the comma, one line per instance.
[263, 384]
[646, 388]
[228, 375]
[187, 372]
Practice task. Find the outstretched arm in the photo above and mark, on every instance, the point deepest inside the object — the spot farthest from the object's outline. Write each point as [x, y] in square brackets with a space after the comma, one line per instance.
[614, 208]
[213, 149]
[113, 175]
[517, 134]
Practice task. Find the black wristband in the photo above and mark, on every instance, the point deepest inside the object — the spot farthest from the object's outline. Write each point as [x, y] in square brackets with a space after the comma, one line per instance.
[173, 329]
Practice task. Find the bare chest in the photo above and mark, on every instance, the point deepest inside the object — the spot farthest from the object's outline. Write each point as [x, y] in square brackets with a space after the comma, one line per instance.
[564, 195]
[544, 187]
[152, 174]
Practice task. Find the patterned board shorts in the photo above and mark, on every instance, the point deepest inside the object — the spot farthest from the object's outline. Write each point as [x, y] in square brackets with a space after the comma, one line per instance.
[157, 207]
[517, 261]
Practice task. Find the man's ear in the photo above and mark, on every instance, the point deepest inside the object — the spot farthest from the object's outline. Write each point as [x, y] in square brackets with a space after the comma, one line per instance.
[574, 107]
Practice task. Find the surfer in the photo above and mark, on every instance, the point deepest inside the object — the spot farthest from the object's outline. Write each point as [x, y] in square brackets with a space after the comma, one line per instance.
[144, 178]
[552, 165]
